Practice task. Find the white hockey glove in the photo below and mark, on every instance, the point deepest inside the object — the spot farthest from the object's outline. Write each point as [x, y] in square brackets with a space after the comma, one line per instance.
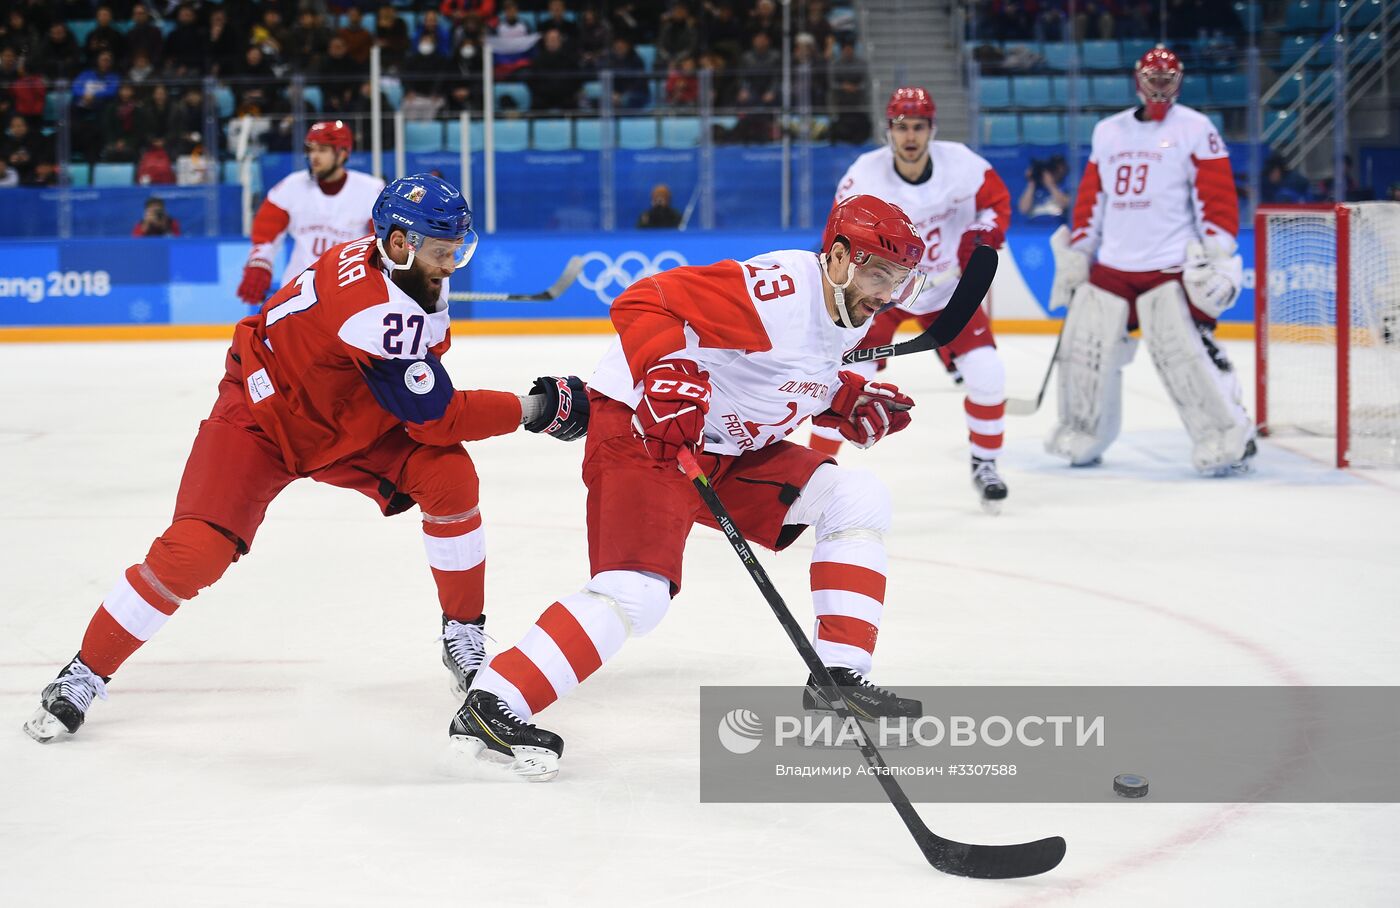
[1071, 269]
[1212, 278]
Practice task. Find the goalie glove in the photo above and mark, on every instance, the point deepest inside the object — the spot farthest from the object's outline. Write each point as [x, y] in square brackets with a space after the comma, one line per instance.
[257, 279]
[671, 413]
[865, 412]
[1071, 269]
[1212, 279]
[558, 406]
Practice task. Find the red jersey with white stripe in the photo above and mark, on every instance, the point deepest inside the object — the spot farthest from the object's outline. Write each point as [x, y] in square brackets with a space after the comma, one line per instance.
[963, 190]
[341, 356]
[1151, 187]
[314, 220]
[759, 327]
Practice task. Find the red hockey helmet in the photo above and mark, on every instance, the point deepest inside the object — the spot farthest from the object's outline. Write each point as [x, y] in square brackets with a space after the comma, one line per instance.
[911, 101]
[1158, 77]
[875, 229]
[333, 133]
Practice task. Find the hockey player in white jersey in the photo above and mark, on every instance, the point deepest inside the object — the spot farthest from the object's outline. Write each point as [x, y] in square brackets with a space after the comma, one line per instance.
[725, 360]
[1152, 247]
[319, 207]
[957, 202]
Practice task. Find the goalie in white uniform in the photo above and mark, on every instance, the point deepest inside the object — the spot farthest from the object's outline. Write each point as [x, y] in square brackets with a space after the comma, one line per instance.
[1152, 248]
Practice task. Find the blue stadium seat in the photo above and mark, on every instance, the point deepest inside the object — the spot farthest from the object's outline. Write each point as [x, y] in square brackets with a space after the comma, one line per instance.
[1279, 127]
[53, 105]
[552, 135]
[1031, 91]
[454, 135]
[519, 94]
[1303, 15]
[1365, 48]
[1369, 12]
[1117, 91]
[1288, 92]
[1134, 48]
[588, 135]
[79, 175]
[1218, 119]
[1292, 49]
[637, 133]
[1059, 89]
[680, 132]
[1103, 55]
[994, 92]
[1057, 54]
[592, 92]
[512, 135]
[1000, 129]
[81, 28]
[1229, 90]
[311, 94]
[1042, 129]
[1319, 86]
[422, 136]
[648, 54]
[113, 174]
[726, 122]
[1082, 127]
[1195, 91]
[223, 101]
[228, 173]
[392, 89]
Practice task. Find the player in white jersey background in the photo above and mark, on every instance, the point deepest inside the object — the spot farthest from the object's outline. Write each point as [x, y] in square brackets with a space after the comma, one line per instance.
[1158, 214]
[726, 360]
[319, 207]
[957, 202]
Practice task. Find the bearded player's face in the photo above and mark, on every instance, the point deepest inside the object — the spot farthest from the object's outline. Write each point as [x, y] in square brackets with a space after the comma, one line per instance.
[423, 281]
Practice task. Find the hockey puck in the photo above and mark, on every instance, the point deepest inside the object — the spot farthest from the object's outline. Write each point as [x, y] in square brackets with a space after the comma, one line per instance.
[1130, 785]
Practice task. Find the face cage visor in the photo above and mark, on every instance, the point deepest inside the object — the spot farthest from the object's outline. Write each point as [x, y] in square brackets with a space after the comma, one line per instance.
[1159, 86]
[437, 252]
[882, 279]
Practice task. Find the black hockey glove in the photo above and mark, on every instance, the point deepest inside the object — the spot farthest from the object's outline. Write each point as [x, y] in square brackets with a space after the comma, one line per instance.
[565, 411]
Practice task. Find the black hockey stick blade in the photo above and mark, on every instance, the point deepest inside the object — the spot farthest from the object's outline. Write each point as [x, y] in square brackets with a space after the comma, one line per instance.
[553, 292]
[967, 297]
[985, 862]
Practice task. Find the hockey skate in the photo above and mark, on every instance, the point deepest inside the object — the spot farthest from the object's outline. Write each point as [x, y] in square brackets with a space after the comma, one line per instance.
[463, 651]
[1240, 467]
[991, 490]
[489, 734]
[863, 699]
[64, 702]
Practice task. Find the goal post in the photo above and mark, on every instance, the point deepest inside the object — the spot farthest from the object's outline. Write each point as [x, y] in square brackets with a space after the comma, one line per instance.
[1327, 326]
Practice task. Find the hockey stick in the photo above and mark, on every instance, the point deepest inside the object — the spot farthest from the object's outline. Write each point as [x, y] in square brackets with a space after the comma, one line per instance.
[986, 862]
[972, 287]
[556, 290]
[1024, 406]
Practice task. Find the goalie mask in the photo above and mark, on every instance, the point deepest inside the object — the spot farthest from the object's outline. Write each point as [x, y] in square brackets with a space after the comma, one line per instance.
[1158, 78]
[884, 252]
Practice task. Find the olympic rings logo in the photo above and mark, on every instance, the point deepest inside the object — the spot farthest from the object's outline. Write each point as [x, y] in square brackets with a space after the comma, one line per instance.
[608, 277]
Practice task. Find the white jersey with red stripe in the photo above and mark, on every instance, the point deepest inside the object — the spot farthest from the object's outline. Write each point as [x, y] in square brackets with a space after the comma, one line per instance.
[963, 190]
[759, 327]
[1151, 187]
[315, 221]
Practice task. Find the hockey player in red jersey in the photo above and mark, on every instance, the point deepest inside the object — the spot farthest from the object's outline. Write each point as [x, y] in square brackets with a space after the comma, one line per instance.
[338, 379]
[1152, 248]
[957, 202]
[726, 360]
[318, 207]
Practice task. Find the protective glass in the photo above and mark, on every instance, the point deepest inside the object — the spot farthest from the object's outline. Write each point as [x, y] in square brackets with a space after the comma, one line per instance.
[885, 280]
[442, 253]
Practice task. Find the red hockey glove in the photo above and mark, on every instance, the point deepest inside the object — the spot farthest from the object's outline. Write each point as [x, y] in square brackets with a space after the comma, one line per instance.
[978, 235]
[865, 412]
[257, 278]
[671, 413]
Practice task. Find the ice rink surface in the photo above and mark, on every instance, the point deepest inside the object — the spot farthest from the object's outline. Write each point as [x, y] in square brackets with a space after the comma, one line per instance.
[279, 742]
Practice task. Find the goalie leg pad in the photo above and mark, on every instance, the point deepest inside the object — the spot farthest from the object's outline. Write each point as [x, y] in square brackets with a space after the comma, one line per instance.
[1094, 348]
[1198, 377]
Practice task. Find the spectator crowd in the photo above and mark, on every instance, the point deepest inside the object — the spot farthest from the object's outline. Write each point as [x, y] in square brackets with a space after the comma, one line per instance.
[134, 91]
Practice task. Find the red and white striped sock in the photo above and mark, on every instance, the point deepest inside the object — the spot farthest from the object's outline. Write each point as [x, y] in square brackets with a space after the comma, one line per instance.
[137, 607]
[848, 596]
[985, 424]
[456, 547]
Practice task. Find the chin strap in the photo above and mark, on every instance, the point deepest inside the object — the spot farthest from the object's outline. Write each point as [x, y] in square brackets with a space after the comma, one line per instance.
[842, 312]
[388, 262]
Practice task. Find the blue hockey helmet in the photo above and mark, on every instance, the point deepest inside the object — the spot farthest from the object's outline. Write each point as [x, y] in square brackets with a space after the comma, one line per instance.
[434, 217]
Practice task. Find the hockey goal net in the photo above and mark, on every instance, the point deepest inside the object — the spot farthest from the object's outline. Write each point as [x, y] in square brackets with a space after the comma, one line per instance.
[1327, 326]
